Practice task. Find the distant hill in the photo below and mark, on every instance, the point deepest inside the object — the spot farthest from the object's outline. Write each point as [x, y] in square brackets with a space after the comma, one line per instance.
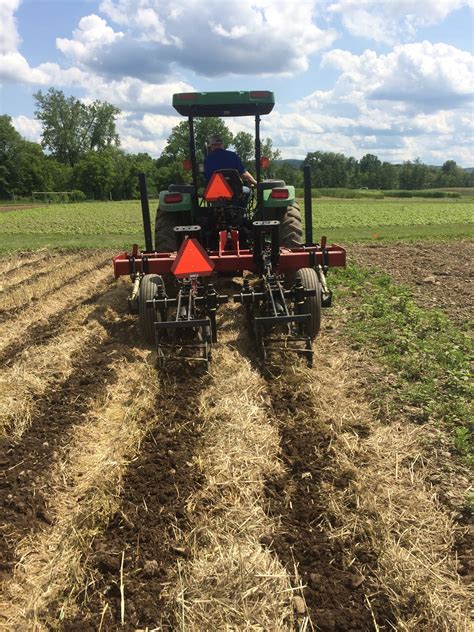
[293, 162]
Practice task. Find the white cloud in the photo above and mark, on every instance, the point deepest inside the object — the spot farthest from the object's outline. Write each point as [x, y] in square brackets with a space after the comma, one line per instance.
[90, 37]
[411, 102]
[29, 128]
[134, 94]
[9, 38]
[432, 76]
[392, 20]
[15, 68]
[241, 37]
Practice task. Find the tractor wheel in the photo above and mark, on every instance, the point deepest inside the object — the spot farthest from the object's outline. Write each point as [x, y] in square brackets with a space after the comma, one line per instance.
[291, 229]
[165, 240]
[310, 281]
[148, 288]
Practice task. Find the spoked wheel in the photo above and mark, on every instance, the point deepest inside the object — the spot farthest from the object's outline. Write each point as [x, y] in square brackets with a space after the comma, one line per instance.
[148, 289]
[312, 304]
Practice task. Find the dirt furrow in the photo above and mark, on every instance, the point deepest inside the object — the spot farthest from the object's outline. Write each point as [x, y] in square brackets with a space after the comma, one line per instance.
[24, 485]
[35, 324]
[43, 367]
[147, 527]
[84, 491]
[373, 546]
[28, 295]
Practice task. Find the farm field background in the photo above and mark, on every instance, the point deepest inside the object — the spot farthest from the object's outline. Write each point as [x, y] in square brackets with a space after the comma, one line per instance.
[119, 224]
[329, 498]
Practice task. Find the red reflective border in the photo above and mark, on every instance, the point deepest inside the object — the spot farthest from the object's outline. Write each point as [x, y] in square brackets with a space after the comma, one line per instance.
[231, 261]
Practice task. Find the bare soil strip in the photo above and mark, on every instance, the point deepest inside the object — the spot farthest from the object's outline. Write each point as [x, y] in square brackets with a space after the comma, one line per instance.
[27, 294]
[32, 321]
[86, 481]
[146, 529]
[25, 486]
[46, 366]
[373, 545]
[440, 274]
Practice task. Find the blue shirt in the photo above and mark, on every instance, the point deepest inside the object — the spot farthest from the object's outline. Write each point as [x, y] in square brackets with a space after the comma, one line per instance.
[222, 159]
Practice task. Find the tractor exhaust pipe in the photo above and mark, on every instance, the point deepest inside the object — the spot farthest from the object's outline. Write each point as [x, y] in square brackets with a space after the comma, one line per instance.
[308, 206]
[145, 212]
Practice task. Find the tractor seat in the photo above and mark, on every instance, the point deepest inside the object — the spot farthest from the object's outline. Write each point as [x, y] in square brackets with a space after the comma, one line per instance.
[181, 188]
[270, 184]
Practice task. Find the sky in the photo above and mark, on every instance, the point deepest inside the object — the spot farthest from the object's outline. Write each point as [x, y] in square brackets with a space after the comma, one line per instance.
[392, 78]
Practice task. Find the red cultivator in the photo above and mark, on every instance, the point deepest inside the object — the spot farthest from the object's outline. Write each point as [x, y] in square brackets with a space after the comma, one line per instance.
[258, 238]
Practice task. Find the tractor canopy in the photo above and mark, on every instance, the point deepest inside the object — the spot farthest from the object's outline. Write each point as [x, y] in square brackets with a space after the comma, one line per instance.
[204, 104]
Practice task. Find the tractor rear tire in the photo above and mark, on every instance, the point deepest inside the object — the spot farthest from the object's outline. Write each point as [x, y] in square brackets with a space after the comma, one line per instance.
[165, 239]
[312, 306]
[291, 229]
[146, 317]
[291, 234]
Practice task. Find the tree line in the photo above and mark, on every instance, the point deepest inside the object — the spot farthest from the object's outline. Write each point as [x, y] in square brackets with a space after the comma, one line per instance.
[80, 151]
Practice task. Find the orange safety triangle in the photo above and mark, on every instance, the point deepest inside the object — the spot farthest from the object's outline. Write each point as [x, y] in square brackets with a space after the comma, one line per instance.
[191, 259]
[218, 189]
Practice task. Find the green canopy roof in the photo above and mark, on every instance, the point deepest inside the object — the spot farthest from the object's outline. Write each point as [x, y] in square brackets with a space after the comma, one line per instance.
[224, 103]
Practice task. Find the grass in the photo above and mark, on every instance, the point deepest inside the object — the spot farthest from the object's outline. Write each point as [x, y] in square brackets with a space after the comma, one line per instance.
[119, 224]
[426, 355]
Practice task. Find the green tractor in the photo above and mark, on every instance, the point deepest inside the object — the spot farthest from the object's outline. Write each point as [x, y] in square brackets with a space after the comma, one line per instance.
[226, 229]
[182, 204]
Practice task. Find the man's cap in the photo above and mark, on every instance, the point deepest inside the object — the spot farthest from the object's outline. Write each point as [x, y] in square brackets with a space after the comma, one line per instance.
[215, 139]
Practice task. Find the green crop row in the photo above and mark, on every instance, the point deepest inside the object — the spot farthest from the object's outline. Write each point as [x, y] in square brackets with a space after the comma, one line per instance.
[89, 224]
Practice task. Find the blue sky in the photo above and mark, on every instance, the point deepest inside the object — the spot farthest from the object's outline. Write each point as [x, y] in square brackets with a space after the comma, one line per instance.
[393, 77]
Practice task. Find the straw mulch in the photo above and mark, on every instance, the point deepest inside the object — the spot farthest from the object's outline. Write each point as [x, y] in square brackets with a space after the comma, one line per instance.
[232, 582]
[87, 482]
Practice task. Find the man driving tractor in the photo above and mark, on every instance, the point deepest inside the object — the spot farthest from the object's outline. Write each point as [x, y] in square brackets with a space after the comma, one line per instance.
[220, 158]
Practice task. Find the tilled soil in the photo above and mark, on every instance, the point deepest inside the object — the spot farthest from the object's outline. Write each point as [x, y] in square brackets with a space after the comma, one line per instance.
[334, 594]
[24, 485]
[145, 531]
[152, 512]
[441, 275]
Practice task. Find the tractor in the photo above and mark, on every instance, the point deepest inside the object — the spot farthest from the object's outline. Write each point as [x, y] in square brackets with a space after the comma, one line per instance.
[224, 229]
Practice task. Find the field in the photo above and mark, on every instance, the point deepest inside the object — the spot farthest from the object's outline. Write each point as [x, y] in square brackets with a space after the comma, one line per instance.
[118, 224]
[332, 498]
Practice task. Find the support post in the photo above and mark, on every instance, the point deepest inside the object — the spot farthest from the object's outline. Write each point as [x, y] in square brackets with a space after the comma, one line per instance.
[308, 206]
[192, 149]
[145, 212]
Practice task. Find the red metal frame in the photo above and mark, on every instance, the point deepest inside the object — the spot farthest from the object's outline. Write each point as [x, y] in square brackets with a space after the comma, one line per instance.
[235, 260]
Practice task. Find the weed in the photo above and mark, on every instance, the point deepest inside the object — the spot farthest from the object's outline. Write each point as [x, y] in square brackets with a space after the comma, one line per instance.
[427, 356]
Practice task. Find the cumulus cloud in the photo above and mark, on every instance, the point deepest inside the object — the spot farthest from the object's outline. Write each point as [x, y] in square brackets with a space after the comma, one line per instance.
[9, 38]
[414, 101]
[16, 69]
[29, 128]
[394, 19]
[212, 39]
[430, 76]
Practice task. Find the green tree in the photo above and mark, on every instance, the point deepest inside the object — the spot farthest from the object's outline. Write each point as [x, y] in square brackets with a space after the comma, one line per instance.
[414, 175]
[177, 145]
[94, 174]
[10, 141]
[328, 169]
[370, 169]
[72, 128]
[244, 145]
